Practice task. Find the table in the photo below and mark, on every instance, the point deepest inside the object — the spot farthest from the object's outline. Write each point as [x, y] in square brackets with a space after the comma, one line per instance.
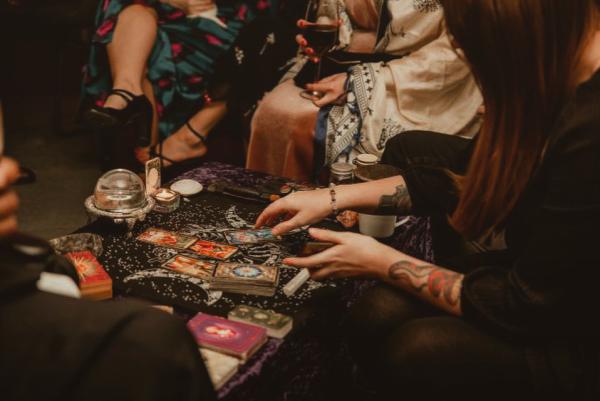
[310, 361]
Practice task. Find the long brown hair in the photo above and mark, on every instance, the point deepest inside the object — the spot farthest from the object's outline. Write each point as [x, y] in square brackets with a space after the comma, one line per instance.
[523, 53]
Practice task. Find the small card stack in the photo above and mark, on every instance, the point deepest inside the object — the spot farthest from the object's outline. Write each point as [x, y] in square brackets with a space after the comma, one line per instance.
[220, 367]
[276, 324]
[94, 281]
[232, 338]
[247, 279]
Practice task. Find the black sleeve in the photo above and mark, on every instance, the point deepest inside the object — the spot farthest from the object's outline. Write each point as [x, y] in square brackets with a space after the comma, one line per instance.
[425, 159]
[149, 357]
[552, 288]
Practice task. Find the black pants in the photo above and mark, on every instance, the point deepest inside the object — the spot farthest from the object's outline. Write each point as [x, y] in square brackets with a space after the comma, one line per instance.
[405, 347]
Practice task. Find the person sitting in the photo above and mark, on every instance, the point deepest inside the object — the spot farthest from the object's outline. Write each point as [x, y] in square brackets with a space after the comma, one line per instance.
[150, 65]
[410, 79]
[56, 347]
[521, 324]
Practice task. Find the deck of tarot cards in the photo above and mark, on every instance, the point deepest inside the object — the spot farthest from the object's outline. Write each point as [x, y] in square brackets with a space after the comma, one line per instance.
[244, 278]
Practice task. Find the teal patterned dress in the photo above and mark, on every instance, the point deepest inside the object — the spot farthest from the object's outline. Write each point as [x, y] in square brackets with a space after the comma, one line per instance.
[183, 57]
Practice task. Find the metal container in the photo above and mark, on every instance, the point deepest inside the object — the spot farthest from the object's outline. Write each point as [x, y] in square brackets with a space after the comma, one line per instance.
[341, 173]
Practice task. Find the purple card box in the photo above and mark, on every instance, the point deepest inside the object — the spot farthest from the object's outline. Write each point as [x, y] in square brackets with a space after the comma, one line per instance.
[221, 334]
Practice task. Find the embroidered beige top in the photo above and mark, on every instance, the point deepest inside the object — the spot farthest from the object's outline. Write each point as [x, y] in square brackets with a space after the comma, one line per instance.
[429, 88]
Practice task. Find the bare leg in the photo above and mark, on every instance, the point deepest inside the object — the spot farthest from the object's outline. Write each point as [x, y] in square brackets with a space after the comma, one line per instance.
[129, 50]
[183, 144]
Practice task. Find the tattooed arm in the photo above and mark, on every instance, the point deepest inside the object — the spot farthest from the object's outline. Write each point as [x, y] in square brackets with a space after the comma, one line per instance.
[436, 285]
[356, 255]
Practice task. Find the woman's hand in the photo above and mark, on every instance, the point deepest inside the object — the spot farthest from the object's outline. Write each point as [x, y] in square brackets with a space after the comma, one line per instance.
[333, 87]
[9, 202]
[191, 7]
[303, 43]
[354, 255]
[299, 209]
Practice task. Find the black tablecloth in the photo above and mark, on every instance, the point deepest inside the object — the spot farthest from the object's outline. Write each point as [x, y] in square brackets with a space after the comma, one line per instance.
[311, 363]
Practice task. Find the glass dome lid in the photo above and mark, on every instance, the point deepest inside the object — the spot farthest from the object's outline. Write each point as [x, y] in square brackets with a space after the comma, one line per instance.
[119, 191]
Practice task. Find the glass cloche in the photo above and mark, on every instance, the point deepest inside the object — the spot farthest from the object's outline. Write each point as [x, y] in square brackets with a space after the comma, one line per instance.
[119, 191]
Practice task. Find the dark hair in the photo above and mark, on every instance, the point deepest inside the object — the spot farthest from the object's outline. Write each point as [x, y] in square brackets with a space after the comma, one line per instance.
[524, 54]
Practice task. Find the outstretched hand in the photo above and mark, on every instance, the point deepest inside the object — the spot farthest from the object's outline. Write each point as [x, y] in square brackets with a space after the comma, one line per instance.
[298, 209]
[354, 255]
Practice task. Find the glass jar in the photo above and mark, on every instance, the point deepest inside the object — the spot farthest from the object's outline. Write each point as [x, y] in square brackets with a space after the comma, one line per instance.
[366, 159]
[341, 173]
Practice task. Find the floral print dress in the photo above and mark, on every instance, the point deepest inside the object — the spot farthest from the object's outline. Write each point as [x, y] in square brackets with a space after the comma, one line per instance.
[183, 57]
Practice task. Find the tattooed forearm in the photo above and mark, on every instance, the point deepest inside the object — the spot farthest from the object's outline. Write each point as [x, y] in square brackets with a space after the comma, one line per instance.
[397, 203]
[439, 285]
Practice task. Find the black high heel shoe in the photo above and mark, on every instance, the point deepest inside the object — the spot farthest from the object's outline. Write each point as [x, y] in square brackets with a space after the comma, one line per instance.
[138, 113]
[179, 167]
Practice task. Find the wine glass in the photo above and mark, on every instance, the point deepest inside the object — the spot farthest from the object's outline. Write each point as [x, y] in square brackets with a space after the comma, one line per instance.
[321, 33]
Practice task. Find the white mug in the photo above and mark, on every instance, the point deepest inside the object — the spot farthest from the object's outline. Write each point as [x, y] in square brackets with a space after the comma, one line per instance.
[378, 226]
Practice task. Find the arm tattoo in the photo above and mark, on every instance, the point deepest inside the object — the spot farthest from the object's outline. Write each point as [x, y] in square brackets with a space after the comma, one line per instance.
[397, 203]
[442, 284]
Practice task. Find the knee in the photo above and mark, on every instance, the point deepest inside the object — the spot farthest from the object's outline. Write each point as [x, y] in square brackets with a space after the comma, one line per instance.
[138, 11]
[421, 356]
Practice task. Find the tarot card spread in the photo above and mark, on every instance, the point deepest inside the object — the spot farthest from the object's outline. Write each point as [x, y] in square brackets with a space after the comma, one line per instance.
[213, 250]
[191, 266]
[168, 239]
[251, 237]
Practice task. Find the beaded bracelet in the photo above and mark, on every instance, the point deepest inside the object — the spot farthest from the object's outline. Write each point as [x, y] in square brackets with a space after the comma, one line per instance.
[333, 200]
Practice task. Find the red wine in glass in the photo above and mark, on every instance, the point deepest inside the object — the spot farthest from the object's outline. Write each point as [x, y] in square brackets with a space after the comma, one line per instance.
[321, 34]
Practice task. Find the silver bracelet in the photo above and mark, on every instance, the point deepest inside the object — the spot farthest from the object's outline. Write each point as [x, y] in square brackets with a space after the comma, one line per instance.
[334, 207]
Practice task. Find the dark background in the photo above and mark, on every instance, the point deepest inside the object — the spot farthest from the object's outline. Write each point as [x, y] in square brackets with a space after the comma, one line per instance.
[43, 47]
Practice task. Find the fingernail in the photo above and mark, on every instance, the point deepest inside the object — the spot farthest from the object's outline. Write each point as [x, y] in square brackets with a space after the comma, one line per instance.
[303, 43]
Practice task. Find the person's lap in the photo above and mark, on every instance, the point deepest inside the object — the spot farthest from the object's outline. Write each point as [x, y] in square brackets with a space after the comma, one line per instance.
[404, 347]
[281, 141]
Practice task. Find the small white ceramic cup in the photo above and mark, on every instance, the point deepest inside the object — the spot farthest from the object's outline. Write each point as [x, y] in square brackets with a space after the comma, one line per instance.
[378, 226]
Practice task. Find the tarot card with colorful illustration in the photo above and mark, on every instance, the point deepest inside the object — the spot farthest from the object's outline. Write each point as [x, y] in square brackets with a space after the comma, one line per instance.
[222, 335]
[277, 324]
[90, 271]
[169, 239]
[198, 268]
[213, 250]
[153, 176]
[258, 274]
[251, 236]
[94, 281]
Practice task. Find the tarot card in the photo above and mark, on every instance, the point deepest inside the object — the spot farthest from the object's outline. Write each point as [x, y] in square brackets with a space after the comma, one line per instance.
[191, 266]
[153, 176]
[259, 274]
[222, 335]
[277, 324]
[251, 236]
[311, 248]
[213, 250]
[220, 367]
[169, 239]
[90, 271]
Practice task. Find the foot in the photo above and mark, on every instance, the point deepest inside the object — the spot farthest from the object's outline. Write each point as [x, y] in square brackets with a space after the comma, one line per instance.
[117, 102]
[182, 145]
